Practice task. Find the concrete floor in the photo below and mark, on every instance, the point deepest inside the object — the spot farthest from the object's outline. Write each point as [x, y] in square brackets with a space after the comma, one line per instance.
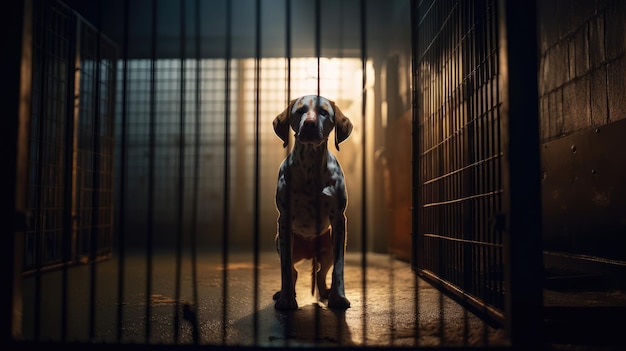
[382, 314]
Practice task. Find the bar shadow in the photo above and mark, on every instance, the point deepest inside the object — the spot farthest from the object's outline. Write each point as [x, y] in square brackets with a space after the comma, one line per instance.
[309, 325]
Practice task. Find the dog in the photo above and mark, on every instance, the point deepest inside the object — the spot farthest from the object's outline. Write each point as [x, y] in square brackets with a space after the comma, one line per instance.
[311, 199]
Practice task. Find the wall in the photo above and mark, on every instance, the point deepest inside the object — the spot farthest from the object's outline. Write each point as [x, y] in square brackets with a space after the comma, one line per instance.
[340, 35]
[582, 96]
[582, 63]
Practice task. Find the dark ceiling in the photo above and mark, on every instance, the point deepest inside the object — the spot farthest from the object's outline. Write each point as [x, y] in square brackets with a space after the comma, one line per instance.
[340, 26]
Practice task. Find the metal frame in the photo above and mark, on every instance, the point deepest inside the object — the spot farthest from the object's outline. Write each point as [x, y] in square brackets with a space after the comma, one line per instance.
[70, 190]
[488, 189]
[477, 216]
[17, 90]
[460, 156]
[521, 173]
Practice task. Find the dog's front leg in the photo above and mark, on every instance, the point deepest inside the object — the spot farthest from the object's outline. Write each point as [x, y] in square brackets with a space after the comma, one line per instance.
[287, 298]
[337, 297]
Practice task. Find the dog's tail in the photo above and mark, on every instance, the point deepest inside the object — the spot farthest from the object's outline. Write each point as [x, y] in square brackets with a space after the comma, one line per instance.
[313, 276]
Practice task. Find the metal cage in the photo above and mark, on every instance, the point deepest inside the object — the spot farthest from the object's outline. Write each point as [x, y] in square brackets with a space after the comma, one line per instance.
[70, 193]
[152, 159]
[460, 244]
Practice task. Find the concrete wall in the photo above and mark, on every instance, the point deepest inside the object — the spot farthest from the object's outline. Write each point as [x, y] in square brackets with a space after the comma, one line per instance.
[582, 106]
[582, 65]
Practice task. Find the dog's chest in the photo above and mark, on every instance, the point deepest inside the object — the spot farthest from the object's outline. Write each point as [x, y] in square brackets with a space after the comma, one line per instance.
[312, 201]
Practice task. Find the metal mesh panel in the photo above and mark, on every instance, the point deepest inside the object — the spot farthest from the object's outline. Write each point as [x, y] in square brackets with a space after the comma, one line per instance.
[207, 126]
[48, 137]
[460, 152]
[93, 199]
[71, 140]
[210, 136]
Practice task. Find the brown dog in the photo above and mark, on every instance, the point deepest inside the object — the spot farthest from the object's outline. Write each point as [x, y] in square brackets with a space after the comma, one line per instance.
[311, 199]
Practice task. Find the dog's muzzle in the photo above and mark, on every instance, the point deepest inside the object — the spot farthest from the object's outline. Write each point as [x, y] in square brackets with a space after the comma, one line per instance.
[310, 131]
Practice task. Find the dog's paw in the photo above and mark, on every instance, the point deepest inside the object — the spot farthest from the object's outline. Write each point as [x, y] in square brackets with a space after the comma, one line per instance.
[285, 303]
[276, 295]
[338, 302]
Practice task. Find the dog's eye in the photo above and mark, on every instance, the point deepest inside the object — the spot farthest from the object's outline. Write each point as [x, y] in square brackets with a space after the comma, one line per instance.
[323, 112]
[302, 110]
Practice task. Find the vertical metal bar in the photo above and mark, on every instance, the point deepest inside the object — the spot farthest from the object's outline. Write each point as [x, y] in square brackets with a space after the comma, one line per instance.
[499, 143]
[470, 269]
[415, 163]
[151, 162]
[480, 72]
[196, 176]
[474, 117]
[113, 57]
[489, 213]
[493, 151]
[181, 174]
[317, 185]
[95, 196]
[461, 151]
[68, 163]
[288, 55]
[392, 301]
[257, 165]
[226, 199]
[521, 172]
[17, 62]
[447, 224]
[122, 178]
[41, 14]
[76, 196]
[363, 34]
[318, 40]
[287, 325]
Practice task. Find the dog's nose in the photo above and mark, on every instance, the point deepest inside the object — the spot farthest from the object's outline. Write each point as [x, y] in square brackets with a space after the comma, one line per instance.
[308, 126]
[309, 129]
[310, 120]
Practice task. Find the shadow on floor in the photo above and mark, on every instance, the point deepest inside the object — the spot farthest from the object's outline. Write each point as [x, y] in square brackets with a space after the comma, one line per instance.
[309, 325]
[391, 307]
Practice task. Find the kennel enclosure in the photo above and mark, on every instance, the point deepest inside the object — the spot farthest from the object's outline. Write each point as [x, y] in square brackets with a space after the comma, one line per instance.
[143, 126]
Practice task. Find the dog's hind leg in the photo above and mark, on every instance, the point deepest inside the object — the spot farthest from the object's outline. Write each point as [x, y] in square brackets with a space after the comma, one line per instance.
[320, 269]
[314, 270]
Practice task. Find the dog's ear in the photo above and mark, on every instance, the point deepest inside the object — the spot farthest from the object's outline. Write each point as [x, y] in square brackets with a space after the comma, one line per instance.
[343, 126]
[281, 124]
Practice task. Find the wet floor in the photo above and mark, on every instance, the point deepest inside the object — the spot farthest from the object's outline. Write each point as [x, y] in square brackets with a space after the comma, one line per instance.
[391, 307]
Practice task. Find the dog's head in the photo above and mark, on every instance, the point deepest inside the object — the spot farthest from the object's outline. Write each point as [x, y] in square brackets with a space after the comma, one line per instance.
[312, 118]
